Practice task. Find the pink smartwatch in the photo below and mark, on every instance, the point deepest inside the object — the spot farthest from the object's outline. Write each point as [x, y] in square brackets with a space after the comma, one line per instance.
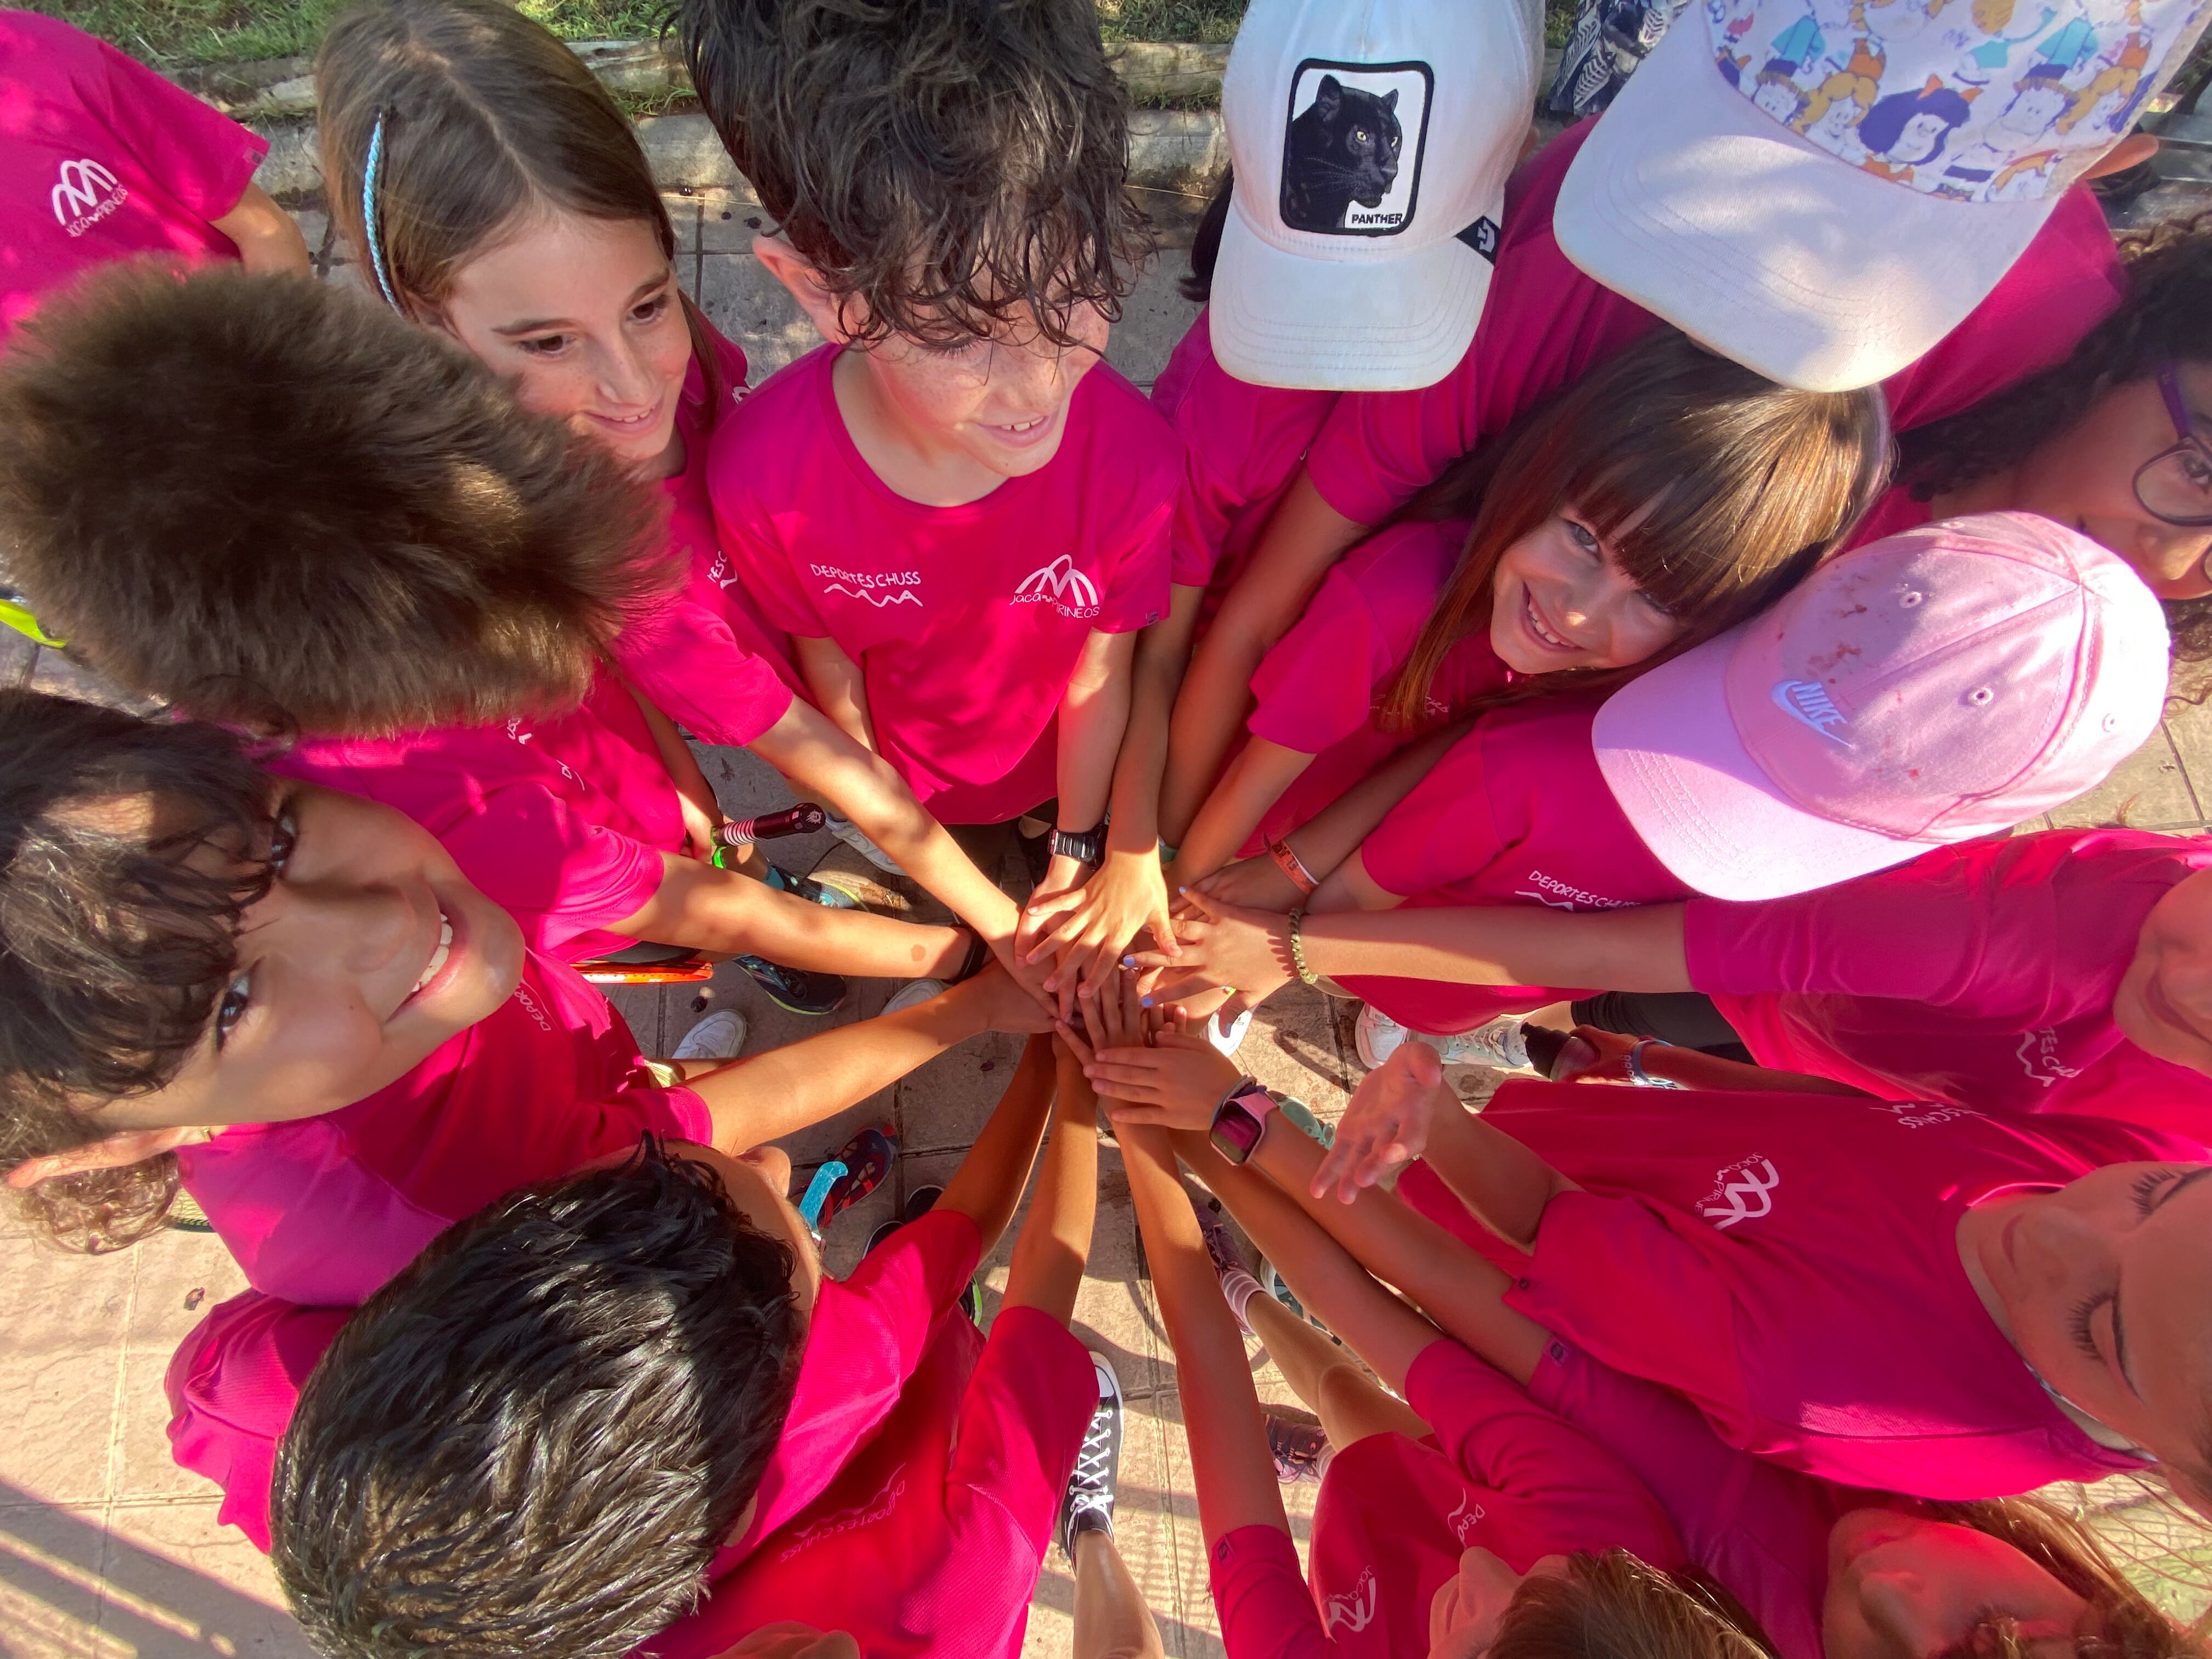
[1239, 1120]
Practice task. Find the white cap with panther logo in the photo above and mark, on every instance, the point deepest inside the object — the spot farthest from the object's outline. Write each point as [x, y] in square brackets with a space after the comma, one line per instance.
[1824, 189]
[1372, 141]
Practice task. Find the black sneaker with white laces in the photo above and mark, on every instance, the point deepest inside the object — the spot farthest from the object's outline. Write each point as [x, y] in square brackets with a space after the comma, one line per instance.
[1087, 1506]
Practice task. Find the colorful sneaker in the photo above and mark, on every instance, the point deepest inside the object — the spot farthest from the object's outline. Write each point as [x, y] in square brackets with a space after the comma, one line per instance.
[1219, 1245]
[1301, 1450]
[812, 888]
[1087, 1506]
[843, 827]
[867, 1157]
[1498, 1045]
[795, 988]
[721, 1035]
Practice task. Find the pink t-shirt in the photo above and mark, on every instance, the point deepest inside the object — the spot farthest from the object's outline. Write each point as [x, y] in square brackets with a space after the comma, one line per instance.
[1790, 1263]
[1517, 813]
[929, 1539]
[1760, 1529]
[707, 657]
[1547, 324]
[1500, 1473]
[1242, 445]
[1321, 689]
[967, 622]
[323, 1210]
[105, 160]
[562, 820]
[1982, 975]
[236, 1378]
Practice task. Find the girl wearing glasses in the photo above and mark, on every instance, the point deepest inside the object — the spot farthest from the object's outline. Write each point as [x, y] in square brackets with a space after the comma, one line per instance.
[2116, 440]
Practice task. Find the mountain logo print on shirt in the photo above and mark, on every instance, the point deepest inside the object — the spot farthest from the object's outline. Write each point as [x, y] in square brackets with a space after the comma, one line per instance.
[1744, 1191]
[87, 193]
[889, 588]
[1354, 1609]
[2038, 1057]
[1465, 1519]
[1067, 589]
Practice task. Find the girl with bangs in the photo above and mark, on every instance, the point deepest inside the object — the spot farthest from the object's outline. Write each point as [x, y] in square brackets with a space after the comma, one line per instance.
[1633, 516]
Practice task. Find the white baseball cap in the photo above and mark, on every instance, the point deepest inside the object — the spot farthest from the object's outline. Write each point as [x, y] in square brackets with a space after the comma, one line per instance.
[1823, 189]
[1949, 682]
[1372, 141]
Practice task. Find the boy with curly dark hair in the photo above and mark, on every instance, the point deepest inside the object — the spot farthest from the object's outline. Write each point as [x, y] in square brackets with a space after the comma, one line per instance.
[958, 513]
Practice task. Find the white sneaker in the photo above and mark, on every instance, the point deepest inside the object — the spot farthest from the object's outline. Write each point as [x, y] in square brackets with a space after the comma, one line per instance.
[1500, 1045]
[913, 993]
[1230, 1040]
[721, 1035]
[843, 827]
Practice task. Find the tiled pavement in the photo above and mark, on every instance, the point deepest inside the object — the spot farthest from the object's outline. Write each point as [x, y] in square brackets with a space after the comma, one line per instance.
[108, 1550]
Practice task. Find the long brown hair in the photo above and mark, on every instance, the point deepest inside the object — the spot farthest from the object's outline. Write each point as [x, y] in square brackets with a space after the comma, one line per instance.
[485, 116]
[2123, 1622]
[1747, 485]
[1618, 1605]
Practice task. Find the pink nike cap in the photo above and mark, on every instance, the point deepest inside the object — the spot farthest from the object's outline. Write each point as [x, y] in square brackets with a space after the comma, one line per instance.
[1950, 682]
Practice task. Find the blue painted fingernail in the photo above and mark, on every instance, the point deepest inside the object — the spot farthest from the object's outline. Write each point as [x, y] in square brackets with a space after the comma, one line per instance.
[1145, 1001]
[1129, 962]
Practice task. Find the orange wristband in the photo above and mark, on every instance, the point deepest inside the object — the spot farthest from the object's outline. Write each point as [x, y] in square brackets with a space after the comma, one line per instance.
[1292, 866]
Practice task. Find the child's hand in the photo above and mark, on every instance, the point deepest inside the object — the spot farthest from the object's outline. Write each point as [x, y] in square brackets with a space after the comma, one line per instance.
[1008, 1004]
[1087, 930]
[1224, 947]
[1593, 1057]
[1257, 883]
[700, 824]
[1387, 1124]
[1175, 1085]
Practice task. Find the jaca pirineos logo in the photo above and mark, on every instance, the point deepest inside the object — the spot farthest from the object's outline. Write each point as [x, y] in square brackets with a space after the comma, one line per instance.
[87, 193]
[1067, 589]
[1744, 1191]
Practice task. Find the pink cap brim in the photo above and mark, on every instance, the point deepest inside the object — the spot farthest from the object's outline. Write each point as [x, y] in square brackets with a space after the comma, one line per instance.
[1668, 748]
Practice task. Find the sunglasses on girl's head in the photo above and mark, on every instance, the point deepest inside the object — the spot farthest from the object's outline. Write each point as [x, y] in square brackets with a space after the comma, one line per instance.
[2176, 483]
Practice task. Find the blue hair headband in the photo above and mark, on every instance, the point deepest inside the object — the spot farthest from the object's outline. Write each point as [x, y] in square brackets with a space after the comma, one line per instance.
[369, 230]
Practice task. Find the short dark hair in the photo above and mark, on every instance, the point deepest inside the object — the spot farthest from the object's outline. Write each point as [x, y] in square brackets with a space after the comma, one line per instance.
[113, 947]
[535, 1438]
[949, 162]
[247, 492]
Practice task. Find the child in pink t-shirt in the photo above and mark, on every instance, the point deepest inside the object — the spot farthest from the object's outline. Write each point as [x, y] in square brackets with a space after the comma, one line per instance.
[854, 1455]
[1824, 1570]
[1933, 688]
[106, 160]
[1590, 543]
[293, 1000]
[1909, 1296]
[513, 208]
[1546, 325]
[960, 516]
[432, 625]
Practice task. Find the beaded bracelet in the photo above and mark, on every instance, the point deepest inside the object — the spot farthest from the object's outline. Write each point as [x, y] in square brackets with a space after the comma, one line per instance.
[1299, 950]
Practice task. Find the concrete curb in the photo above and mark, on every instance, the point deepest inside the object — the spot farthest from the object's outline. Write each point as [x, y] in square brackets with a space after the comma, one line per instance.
[1183, 150]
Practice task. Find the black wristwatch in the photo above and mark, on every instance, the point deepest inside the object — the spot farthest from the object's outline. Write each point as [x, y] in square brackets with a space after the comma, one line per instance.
[1087, 847]
[1240, 1120]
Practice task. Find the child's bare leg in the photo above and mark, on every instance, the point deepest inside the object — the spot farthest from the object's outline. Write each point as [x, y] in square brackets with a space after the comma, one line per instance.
[1350, 1403]
[721, 911]
[1111, 1618]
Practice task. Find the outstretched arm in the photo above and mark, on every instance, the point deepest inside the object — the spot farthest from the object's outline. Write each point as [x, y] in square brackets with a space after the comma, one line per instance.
[1235, 1472]
[1055, 1237]
[768, 1096]
[988, 1185]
